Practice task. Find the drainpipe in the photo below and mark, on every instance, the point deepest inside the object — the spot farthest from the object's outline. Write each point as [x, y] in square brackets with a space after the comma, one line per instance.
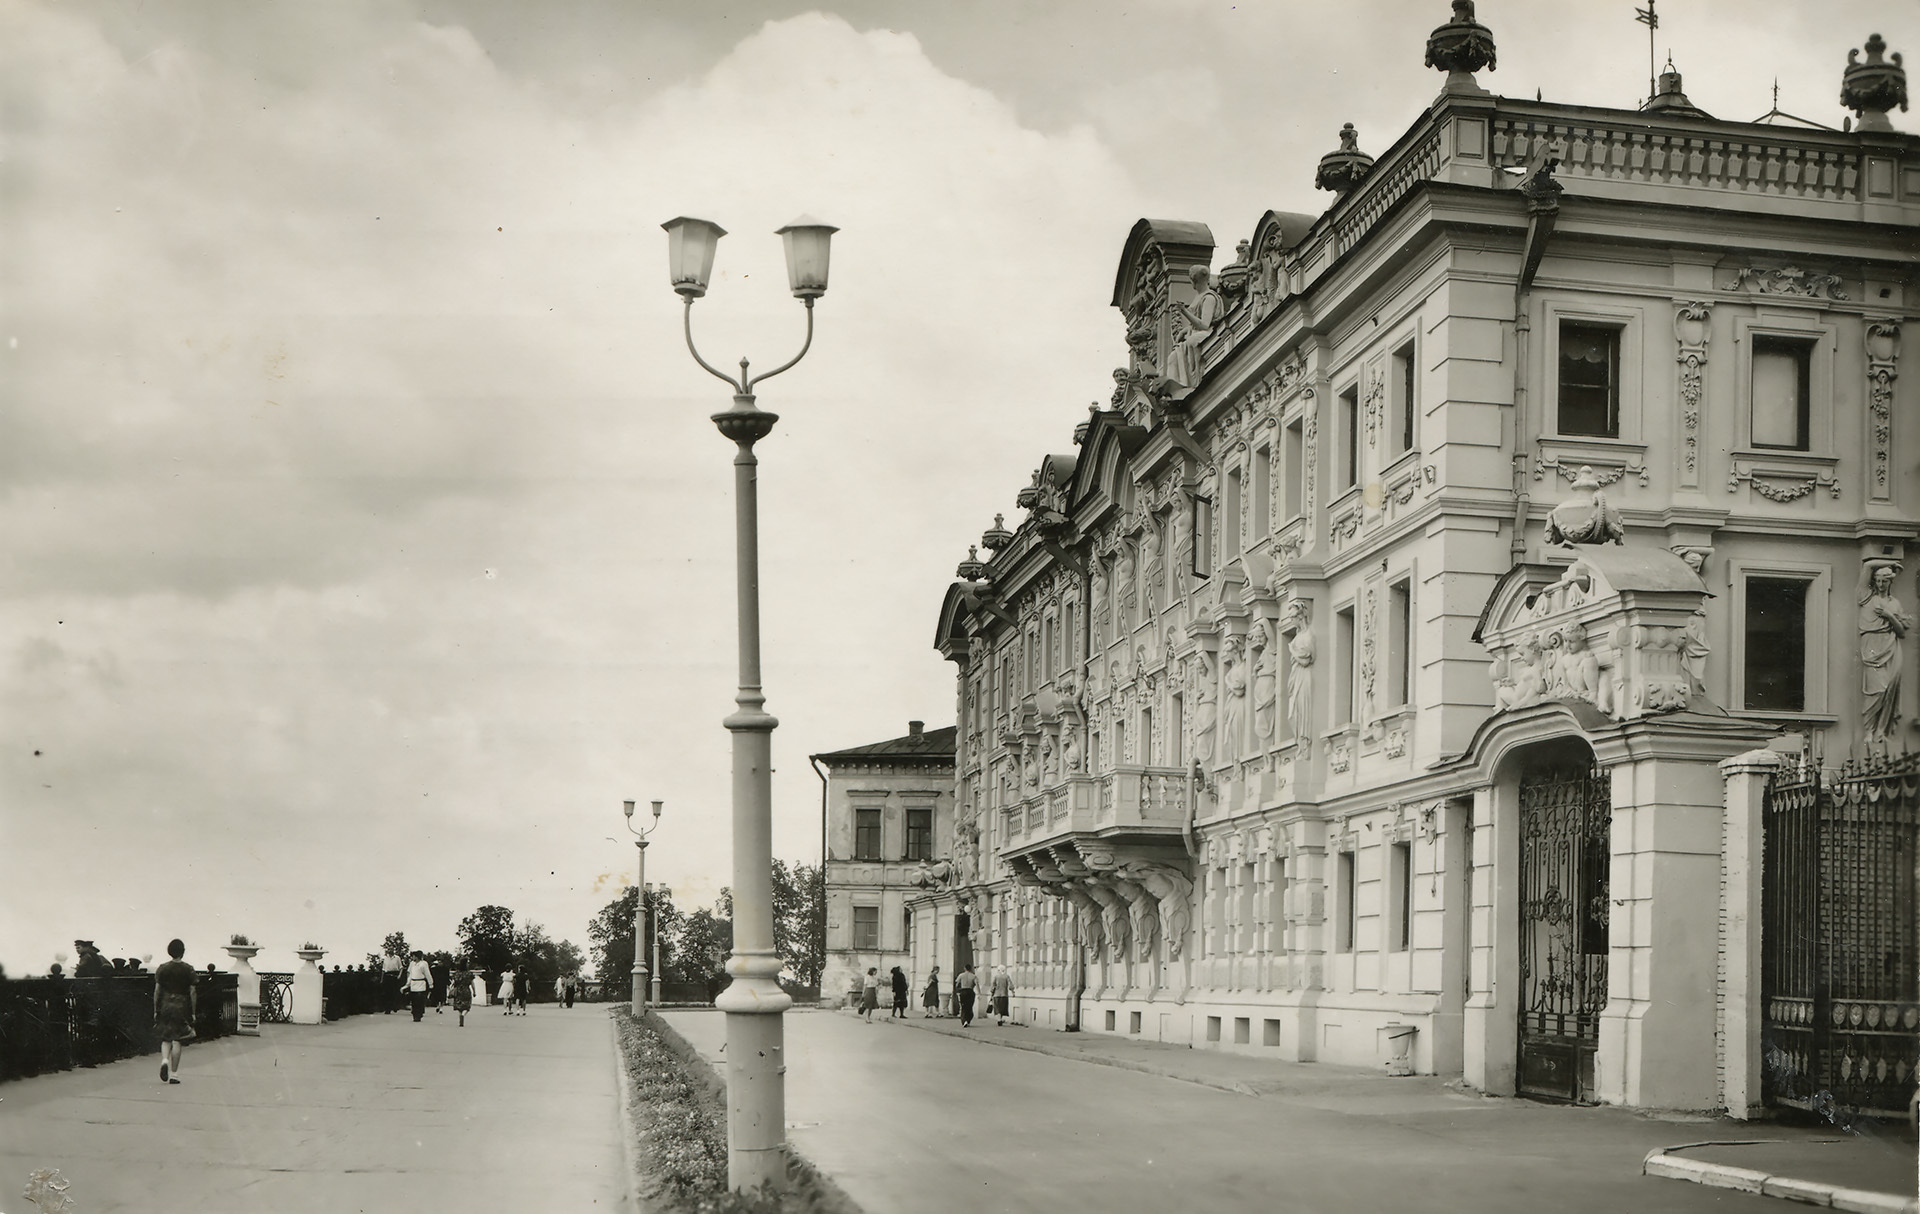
[823, 870]
[1542, 193]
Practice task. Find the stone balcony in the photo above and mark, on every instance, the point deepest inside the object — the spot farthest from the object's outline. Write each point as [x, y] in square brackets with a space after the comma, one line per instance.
[1129, 801]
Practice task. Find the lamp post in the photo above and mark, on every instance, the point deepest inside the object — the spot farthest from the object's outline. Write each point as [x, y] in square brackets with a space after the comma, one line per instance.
[657, 972]
[640, 911]
[754, 1003]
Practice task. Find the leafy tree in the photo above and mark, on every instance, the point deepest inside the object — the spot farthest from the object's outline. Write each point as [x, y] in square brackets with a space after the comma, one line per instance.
[611, 936]
[799, 926]
[705, 941]
[487, 938]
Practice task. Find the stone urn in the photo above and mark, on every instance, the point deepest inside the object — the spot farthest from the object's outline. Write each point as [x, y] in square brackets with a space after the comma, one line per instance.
[309, 1003]
[247, 987]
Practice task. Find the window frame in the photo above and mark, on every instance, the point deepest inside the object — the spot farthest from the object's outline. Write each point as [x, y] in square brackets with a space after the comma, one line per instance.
[859, 830]
[1403, 390]
[1631, 384]
[1347, 424]
[925, 839]
[858, 945]
[1615, 373]
[1821, 340]
[1819, 605]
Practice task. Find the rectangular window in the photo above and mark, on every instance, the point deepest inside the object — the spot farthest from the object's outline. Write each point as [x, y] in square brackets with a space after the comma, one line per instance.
[1589, 380]
[1404, 405]
[1782, 372]
[1241, 1027]
[866, 834]
[1293, 476]
[1147, 756]
[1120, 742]
[1248, 922]
[1202, 537]
[1263, 492]
[1231, 517]
[1350, 437]
[1776, 636]
[1176, 732]
[1400, 890]
[1342, 672]
[1348, 904]
[1400, 642]
[906, 930]
[866, 927]
[919, 834]
[1277, 909]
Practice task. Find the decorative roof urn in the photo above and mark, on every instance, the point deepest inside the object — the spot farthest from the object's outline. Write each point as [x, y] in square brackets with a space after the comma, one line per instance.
[1345, 167]
[1588, 519]
[1460, 48]
[996, 537]
[1872, 88]
[972, 569]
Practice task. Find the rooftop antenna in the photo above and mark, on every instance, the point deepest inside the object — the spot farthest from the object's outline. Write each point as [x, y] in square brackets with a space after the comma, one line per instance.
[1647, 17]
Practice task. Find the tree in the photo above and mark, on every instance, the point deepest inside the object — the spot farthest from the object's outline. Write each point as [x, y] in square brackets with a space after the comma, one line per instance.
[395, 945]
[611, 936]
[486, 937]
[705, 941]
[799, 927]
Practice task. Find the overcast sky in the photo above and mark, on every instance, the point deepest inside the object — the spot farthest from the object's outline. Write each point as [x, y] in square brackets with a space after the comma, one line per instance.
[366, 540]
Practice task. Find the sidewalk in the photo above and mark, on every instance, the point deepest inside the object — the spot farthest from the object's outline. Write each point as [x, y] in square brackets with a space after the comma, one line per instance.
[1873, 1171]
[373, 1113]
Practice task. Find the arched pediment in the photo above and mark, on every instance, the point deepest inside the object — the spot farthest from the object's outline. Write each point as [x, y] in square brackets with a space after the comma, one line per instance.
[1159, 247]
[1103, 462]
[1620, 629]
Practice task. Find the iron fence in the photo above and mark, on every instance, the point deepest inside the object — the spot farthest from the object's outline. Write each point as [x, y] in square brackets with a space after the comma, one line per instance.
[1840, 970]
[54, 1024]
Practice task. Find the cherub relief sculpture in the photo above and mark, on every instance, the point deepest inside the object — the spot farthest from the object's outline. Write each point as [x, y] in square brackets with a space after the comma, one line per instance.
[1884, 624]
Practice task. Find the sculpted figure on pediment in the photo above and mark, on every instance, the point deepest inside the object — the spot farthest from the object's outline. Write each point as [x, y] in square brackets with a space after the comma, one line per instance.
[1200, 317]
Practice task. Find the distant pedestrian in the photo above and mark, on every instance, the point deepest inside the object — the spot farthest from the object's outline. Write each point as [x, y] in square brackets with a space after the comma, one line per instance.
[439, 1000]
[567, 987]
[1002, 993]
[506, 992]
[89, 962]
[419, 984]
[964, 987]
[899, 993]
[176, 1005]
[870, 992]
[463, 983]
[479, 995]
[930, 1000]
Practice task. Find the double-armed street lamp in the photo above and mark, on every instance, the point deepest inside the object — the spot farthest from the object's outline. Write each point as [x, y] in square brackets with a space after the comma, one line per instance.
[754, 1003]
[640, 914]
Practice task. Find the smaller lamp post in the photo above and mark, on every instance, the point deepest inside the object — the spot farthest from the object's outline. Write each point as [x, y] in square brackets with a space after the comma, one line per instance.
[658, 973]
[640, 911]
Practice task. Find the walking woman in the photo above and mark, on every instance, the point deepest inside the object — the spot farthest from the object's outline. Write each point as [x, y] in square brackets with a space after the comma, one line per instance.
[899, 993]
[870, 992]
[176, 1005]
[506, 992]
[462, 990]
[930, 999]
[419, 984]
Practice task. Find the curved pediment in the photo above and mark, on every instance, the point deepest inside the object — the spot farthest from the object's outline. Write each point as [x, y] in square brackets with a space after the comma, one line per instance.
[1179, 243]
[1620, 629]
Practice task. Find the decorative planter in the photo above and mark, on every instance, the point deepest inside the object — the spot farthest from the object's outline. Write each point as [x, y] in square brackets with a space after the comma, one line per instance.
[248, 987]
[309, 1005]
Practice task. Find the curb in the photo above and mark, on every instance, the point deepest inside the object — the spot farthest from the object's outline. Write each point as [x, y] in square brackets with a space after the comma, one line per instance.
[1040, 1046]
[1749, 1180]
[628, 1133]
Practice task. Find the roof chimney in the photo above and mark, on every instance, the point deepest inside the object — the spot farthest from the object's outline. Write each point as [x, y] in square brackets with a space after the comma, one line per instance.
[915, 728]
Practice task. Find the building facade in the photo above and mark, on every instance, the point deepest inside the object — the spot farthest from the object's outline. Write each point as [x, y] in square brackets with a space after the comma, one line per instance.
[889, 817]
[1393, 671]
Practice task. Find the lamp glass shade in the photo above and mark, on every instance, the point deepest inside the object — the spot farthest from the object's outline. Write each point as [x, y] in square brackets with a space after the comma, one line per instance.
[690, 246]
[656, 808]
[628, 806]
[806, 240]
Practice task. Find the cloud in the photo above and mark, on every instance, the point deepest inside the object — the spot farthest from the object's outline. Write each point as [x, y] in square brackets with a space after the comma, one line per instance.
[370, 540]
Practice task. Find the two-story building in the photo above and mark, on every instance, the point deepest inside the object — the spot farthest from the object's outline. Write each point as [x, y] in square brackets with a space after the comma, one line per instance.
[1389, 673]
[889, 817]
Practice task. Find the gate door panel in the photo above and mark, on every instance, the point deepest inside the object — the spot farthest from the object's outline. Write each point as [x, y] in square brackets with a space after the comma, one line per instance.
[1566, 816]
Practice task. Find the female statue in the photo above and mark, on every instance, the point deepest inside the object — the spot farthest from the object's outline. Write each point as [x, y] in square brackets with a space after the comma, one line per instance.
[1300, 679]
[1883, 622]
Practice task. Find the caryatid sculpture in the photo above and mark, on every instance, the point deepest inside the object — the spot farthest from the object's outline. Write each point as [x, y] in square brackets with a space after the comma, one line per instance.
[1233, 682]
[1884, 624]
[1300, 652]
[1204, 708]
[1266, 685]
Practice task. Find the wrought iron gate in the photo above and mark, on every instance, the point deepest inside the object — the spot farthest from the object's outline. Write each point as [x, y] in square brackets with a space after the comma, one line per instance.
[1840, 967]
[1566, 814]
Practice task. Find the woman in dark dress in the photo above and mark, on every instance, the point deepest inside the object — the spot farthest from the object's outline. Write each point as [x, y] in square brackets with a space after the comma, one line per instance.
[176, 1004]
[899, 993]
[461, 988]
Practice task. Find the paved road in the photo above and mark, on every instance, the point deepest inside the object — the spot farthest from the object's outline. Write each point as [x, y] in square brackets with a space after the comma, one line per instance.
[912, 1122]
[374, 1113]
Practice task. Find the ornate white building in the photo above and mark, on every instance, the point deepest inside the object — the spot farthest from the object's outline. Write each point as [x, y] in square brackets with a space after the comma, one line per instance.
[1314, 706]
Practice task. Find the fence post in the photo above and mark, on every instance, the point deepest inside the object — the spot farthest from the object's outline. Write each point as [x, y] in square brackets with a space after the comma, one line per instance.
[1747, 777]
[309, 1004]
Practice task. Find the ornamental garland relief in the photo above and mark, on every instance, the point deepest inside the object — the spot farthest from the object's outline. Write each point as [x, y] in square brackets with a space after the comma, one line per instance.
[1692, 331]
[1883, 353]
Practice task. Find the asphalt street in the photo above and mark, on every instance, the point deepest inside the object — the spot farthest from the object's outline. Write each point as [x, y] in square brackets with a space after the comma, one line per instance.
[911, 1122]
[373, 1113]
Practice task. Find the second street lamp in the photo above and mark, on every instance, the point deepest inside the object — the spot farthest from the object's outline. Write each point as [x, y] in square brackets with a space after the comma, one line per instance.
[754, 1003]
[640, 911]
